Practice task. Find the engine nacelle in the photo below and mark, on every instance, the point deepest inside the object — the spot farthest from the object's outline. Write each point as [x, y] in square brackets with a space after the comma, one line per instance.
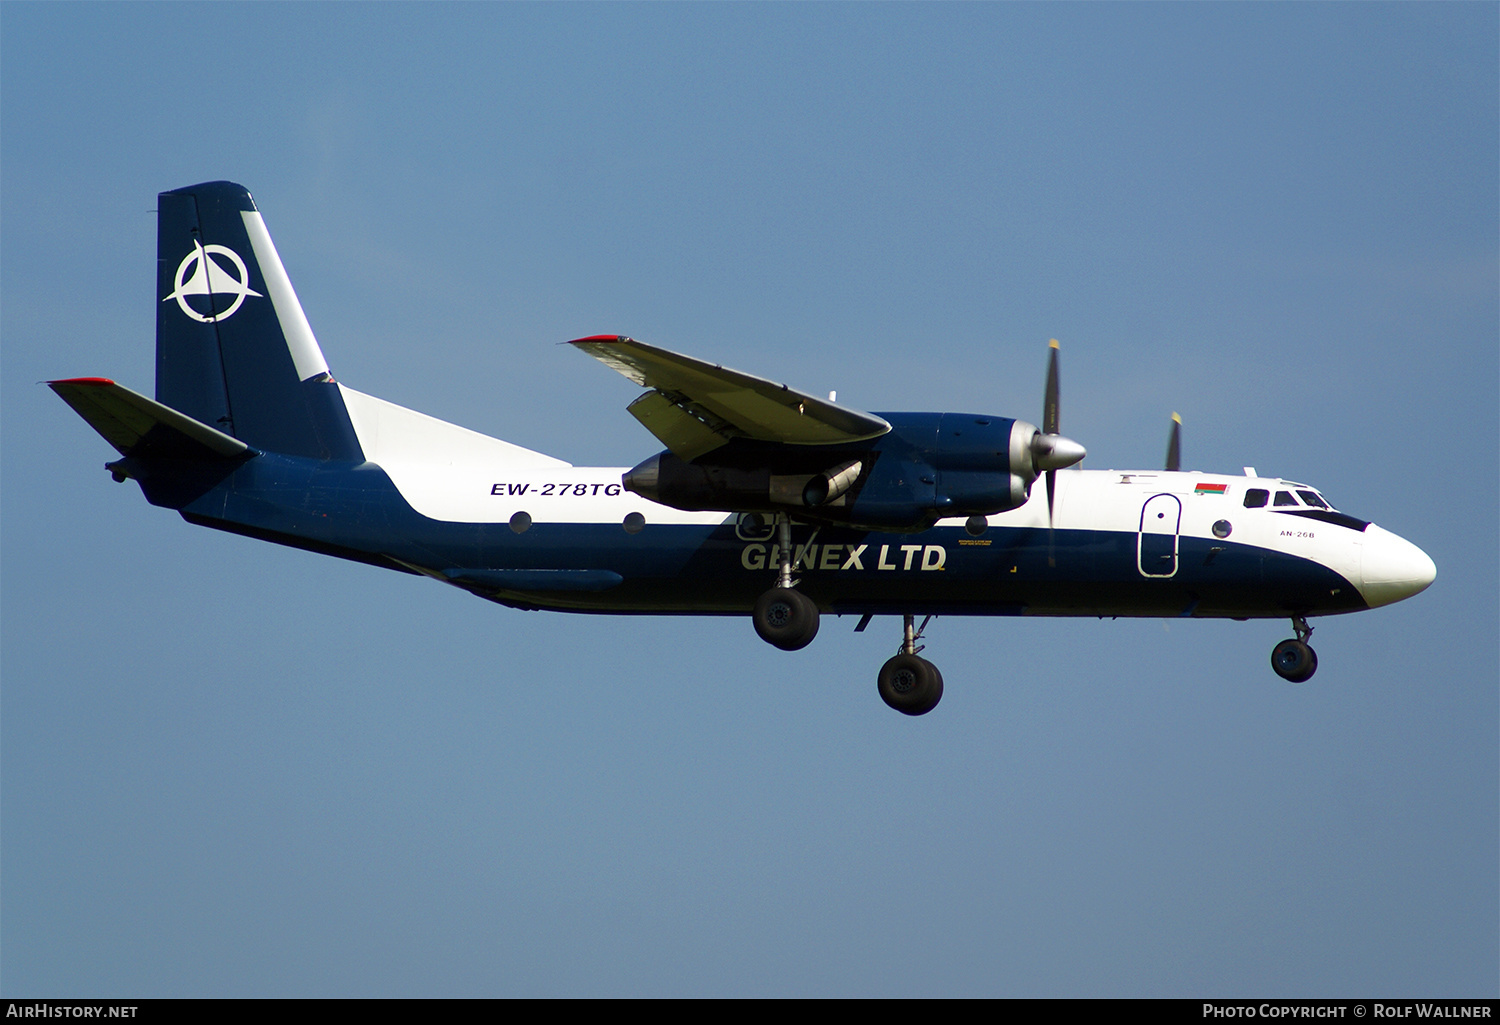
[706, 485]
[977, 493]
[930, 466]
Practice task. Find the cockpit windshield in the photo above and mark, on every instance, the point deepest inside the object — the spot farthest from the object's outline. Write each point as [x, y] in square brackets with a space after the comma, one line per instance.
[1256, 498]
[1301, 500]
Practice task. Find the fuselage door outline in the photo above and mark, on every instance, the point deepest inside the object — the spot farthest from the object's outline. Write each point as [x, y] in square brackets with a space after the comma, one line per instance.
[1156, 539]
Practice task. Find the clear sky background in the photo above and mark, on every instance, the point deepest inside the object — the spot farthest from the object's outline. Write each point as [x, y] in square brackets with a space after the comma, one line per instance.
[231, 768]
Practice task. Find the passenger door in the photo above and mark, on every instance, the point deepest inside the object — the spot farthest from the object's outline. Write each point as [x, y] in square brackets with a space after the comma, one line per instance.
[1156, 544]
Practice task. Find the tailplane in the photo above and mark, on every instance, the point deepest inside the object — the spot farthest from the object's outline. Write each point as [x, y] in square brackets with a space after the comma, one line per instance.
[174, 457]
[234, 350]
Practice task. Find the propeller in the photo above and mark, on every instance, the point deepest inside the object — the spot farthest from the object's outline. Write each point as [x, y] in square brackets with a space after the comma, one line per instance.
[1050, 451]
[1174, 445]
[1050, 415]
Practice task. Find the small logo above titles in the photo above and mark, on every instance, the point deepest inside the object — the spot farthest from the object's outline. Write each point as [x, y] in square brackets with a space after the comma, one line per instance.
[211, 276]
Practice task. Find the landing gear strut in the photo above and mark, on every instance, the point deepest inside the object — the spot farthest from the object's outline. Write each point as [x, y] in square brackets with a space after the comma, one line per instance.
[909, 683]
[784, 616]
[1295, 660]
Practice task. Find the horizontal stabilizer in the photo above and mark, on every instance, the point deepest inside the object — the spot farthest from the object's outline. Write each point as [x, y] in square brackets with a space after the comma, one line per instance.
[130, 421]
[695, 406]
[175, 458]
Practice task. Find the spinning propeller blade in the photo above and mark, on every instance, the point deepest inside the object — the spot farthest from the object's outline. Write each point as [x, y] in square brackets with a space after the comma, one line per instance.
[1051, 421]
[1049, 401]
[1050, 451]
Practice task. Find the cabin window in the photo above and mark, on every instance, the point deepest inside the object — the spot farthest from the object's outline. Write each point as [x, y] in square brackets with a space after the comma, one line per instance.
[1255, 498]
[1312, 499]
[1284, 498]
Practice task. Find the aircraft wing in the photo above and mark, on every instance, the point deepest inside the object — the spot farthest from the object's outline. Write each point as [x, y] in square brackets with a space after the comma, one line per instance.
[693, 406]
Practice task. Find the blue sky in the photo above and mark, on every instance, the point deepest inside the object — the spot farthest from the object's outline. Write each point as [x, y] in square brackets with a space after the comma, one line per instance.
[228, 768]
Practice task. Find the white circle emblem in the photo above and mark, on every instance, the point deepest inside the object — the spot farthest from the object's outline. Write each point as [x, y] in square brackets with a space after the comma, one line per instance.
[211, 277]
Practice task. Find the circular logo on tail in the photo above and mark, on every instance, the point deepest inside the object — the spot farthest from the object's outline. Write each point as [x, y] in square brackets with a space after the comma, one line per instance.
[214, 270]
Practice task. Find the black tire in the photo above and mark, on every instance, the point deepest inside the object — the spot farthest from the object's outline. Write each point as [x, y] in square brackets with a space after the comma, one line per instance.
[1294, 661]
[786, 618]
[911, 685]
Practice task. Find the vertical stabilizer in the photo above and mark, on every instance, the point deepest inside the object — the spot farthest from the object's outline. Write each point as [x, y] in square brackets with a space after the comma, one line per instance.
[233, 347]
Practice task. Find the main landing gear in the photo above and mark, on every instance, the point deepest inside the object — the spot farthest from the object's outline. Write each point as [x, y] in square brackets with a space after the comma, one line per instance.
[1295, 660]
[909, 683]
[787, 618]
[783, 615]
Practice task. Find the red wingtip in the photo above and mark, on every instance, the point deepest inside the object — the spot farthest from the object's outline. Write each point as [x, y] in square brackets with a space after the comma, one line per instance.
[83, 380]
[599, 338]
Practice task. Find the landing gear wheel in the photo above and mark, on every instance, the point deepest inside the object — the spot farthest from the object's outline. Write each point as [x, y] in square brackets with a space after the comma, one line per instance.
[911, 684]
[1294, 660]
[786, 618]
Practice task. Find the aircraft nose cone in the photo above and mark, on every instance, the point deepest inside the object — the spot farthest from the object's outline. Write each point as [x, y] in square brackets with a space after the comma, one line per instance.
[1392, 568]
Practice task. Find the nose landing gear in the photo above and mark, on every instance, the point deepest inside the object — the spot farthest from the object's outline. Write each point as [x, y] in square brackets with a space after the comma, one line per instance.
[1295, 660]
[909, 683]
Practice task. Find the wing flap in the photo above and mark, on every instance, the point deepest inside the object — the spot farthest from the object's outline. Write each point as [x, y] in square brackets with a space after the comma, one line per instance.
[686, 435]
[723, 403]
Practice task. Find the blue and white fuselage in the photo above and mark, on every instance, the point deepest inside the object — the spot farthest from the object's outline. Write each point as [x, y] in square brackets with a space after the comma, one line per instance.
[528, 530]
[767, 501]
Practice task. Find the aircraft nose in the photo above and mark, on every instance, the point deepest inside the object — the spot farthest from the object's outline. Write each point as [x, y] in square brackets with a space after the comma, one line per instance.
[1392, 568]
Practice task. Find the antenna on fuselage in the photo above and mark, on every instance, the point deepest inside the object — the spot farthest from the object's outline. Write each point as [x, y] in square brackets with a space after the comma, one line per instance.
[1174, 445]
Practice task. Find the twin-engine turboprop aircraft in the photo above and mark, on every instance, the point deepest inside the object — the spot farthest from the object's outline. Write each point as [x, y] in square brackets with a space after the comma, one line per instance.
[766, 500]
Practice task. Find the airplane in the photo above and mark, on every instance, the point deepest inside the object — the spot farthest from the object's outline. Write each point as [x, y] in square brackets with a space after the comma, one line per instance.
[766, 500]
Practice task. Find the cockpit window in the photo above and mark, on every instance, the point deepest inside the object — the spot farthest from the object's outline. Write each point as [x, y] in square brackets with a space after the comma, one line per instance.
[1255, 498]
[1312, 499]
[1285, 498]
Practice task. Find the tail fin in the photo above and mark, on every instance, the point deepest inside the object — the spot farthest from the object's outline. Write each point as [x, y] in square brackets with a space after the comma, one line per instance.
[233, 347]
